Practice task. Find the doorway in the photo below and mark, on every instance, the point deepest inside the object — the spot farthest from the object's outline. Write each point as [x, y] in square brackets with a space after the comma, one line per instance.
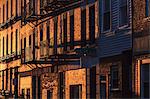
[145, 83]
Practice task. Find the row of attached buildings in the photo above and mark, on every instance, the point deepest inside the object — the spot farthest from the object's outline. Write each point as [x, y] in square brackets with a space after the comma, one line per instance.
[75, 49]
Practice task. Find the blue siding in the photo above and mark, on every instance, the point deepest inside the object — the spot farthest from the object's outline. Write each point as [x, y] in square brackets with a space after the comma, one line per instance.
[121, 39]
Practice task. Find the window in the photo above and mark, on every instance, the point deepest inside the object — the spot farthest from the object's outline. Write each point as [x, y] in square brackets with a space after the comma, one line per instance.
[83, 27]
[0, 48]
[75, 91]
[28, 93]
[92, 24]
[48, 34]
[30, 40]
[3, 80]
[114, 77]
[16, 7]
[41, 34]
[7, 10]
[55, 35]
[3, 13]
[50, 94]
[7, 45]
[3, 47]
[106, 15]
[61, 86]
[11, 72]
[16, 41]
[11, 8]
[11, 42]
[6, 79]
[65, 32]
[123, 13]
[24, 43]
[147, 8]
[72, 29]
[0, 15]
[22, 93]
[41, 5]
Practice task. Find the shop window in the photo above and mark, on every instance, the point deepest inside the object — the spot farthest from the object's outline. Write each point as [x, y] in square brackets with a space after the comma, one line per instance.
[83, 27]
[147, 8]
[106, 14]
[123, 13]
[28, 93]
[49, 94]
[92, 24]
[114, 77]
[75, 91]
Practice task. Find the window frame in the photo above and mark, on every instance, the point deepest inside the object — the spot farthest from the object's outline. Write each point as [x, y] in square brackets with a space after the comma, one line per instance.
[119, 15]
[113, 69]
[147, 8]
[102, 19]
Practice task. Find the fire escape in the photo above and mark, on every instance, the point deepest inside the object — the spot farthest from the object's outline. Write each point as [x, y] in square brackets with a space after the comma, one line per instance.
[48, 49]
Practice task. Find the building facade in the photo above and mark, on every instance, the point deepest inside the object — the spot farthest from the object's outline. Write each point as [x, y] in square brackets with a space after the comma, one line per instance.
[115, 49]
[43, 49]
[67, 49]
[141, 48]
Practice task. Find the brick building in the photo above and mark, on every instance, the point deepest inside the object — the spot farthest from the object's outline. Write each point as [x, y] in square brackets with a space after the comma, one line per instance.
[74, 48]
[45, 49]
[141, 45]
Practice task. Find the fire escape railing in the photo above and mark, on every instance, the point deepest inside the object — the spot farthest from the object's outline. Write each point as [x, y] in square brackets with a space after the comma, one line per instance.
[12, 20]
[10, 57]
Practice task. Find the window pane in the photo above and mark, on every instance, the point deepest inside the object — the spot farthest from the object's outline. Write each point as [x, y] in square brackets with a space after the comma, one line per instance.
[106, 6]
[147, 8]
[106, 21]
[123, 13]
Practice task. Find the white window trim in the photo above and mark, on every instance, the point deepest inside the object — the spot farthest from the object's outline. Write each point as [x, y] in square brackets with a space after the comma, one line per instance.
[102, 11]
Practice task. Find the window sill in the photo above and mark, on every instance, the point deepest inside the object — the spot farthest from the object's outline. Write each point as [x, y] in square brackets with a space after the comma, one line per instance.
[115, 89]
[122, 27]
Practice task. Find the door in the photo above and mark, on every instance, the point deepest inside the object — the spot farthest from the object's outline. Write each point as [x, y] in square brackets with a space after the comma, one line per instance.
[49, 94]
[102, 87]
[75, 91]
[145, 83]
